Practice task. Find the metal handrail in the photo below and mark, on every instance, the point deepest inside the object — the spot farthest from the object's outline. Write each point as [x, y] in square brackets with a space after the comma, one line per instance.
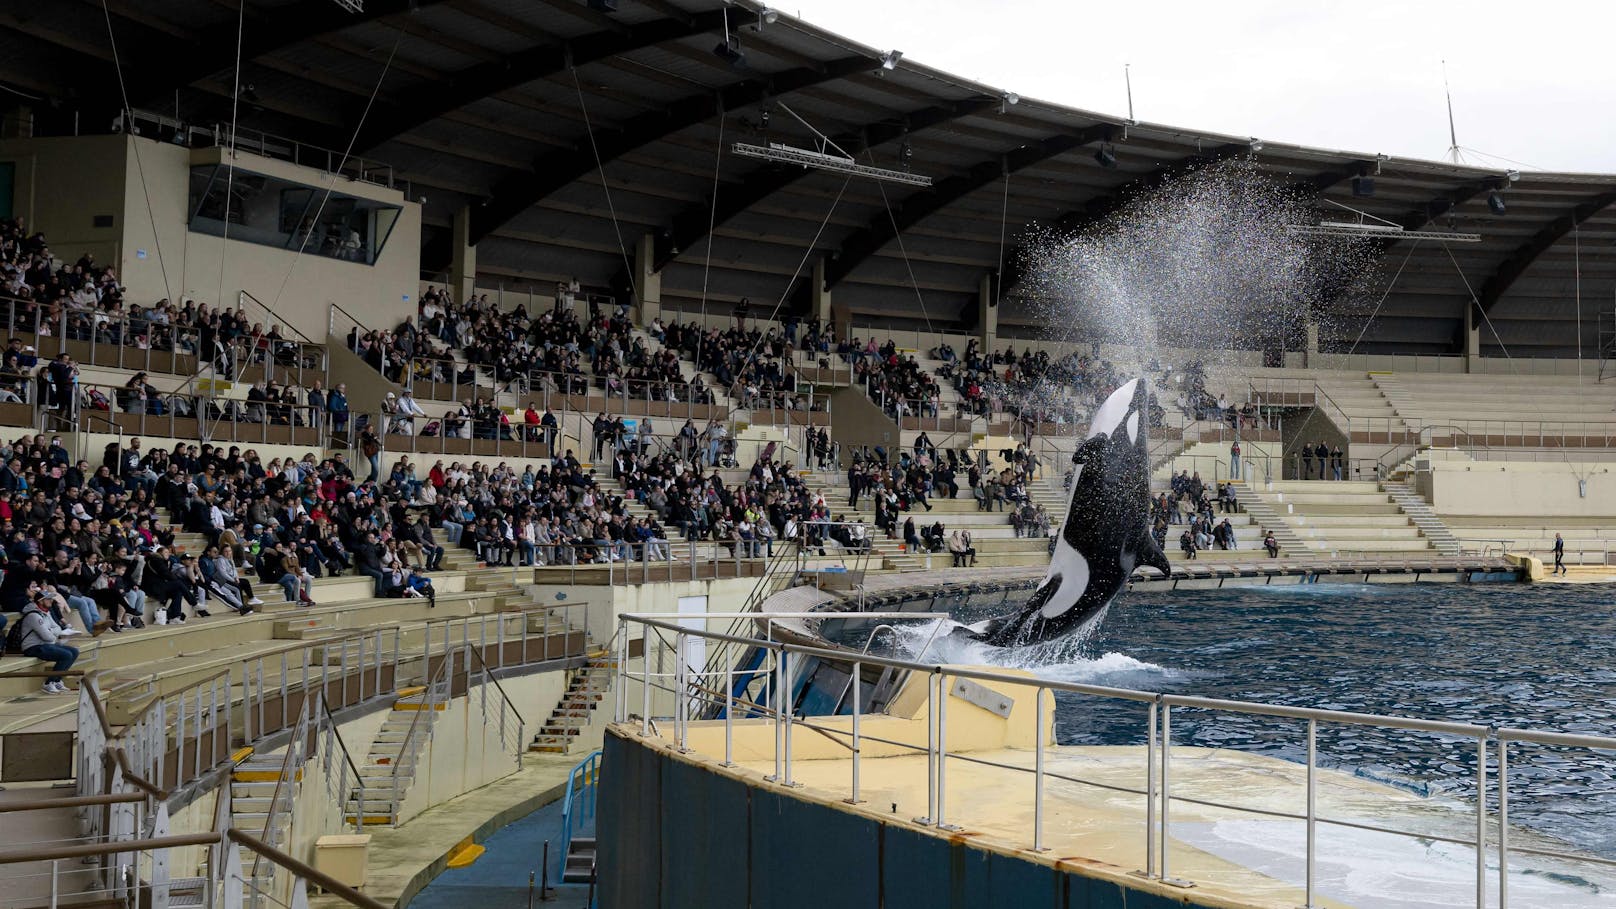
[408, 748]
[589, 771]
[282, 320]
[302, 870]
[1157, 790]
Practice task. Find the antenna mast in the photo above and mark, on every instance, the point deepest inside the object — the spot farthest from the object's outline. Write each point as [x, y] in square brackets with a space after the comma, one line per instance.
[1453, 134]
[1127, 79]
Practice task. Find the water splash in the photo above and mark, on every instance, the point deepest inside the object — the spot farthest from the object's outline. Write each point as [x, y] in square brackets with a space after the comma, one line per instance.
[1068, 659]
[1207, 260]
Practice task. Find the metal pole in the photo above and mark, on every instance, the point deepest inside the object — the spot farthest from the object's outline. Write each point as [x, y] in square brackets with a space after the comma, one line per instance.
[1481, 821]
[1150, 793]
[645, 677]
[729, 717]
[1503, 823]
[1038, 772]
[857, 671]
[931, 753]
[942, 751]
[680, 683]
[1312, 806]
[1166, 749]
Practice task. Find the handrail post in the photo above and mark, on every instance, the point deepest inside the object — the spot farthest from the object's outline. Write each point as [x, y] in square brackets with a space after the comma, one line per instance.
[1481, 821]
[1312, 808]
[1503, 823]
[1166, 750]
[1150, 789]
[853, 799]
[1038, 772]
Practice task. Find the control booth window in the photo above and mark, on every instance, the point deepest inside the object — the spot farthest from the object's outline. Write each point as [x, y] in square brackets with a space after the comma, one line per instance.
[275, 212]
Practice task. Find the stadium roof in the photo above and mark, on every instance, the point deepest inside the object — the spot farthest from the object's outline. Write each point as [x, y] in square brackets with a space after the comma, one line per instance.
[517, 108]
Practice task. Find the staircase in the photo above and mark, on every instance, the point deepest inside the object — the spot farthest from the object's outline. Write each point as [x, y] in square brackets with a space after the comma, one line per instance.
[1266, 516]
[1397, 396]
[256, 788]
[589, 686]
[1424, 517]
[403, 735]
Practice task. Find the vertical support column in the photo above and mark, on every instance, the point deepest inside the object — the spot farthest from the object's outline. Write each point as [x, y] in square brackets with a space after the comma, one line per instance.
[1310, 357]
[1472, 339]
[647, 280]
[987, 311]
[463, 265]
[821, 294]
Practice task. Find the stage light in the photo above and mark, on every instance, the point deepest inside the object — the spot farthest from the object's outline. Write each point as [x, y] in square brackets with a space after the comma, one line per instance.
[729, 50]
[786, 154]
[1256, 145]
[1106, 157]
[1496, 203]
[889, 60]
[1008, 100]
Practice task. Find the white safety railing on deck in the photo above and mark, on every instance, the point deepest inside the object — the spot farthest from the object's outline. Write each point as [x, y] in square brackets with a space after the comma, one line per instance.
[687, 686]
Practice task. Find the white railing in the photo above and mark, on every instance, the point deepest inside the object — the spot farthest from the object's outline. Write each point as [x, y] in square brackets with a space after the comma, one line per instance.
[685, 686]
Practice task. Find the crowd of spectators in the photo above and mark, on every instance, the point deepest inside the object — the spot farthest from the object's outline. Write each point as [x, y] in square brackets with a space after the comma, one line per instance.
[753, 366]
[892, 379]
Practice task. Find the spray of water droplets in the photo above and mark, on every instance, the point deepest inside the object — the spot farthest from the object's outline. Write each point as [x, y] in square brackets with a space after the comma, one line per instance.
[1209, 260]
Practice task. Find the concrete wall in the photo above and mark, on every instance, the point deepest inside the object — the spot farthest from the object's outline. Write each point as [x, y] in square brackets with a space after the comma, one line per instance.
[1520, 488]
[62, 183]
[673, 834]
[860, 422]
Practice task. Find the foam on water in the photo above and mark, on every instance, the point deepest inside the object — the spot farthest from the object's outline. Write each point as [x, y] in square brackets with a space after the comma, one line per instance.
[1065, 660]
[1387, 871]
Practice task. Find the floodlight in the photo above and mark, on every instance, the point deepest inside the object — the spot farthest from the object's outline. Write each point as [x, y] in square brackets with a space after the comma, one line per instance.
[1007, 100]
[787, 154]
[889, 60]
[1496, 203]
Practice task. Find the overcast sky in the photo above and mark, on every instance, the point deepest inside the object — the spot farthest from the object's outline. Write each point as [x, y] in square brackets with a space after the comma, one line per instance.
[1531, 82]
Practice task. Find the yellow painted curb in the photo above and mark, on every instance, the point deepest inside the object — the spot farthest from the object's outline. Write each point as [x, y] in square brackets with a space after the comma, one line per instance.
[412, 690]
[240, 754]
[261, 776]
[420, 706]
[465, 853]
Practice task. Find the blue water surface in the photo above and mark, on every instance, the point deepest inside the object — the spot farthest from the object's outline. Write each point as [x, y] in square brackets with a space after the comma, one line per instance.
[1539, 657]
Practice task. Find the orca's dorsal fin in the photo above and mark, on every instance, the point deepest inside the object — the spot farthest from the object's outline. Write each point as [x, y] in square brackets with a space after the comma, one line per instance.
[1146, 552]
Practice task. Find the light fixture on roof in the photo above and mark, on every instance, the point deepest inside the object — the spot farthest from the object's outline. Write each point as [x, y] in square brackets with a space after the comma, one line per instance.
[889, 60]
[787, 154]
[1106, 157]
[1256, 145]
[766, 16]
[1512, 175]
[729, 50]
[1356, 229]
[1008, 100]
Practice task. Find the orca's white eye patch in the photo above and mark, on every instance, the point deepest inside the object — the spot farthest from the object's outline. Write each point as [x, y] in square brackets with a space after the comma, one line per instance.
[1133, 426]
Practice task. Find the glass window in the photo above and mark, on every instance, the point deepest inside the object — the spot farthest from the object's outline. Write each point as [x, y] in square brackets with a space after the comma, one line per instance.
[276, 212]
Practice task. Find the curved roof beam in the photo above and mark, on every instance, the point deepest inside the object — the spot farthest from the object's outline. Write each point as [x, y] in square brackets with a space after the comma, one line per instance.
[1510, 270]
[1102, 207]
[885, 227]
[691, 225]
[528, 65]
[162, 69]
[519, 192]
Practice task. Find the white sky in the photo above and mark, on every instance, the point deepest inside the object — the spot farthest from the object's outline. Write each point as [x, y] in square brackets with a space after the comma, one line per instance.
[1532, 82]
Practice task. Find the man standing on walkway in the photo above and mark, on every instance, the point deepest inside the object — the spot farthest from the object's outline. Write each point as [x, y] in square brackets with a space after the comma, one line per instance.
[1559, 556]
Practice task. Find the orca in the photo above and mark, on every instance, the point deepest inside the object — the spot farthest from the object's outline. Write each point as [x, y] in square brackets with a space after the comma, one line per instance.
[1106, 534]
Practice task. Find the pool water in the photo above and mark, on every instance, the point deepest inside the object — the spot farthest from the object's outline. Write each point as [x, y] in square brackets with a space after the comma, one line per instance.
[1540, 657]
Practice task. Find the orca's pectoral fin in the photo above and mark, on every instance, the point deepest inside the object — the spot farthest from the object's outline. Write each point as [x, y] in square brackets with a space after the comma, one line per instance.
[1148, 553]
